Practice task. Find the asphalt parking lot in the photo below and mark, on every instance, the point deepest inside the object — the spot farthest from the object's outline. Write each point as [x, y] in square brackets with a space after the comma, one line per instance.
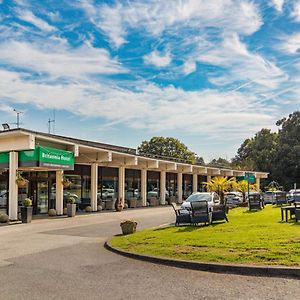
[65, 259]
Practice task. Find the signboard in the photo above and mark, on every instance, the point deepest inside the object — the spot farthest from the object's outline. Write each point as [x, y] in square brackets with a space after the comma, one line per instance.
[248, 177]
[4, 160]
[47, 158]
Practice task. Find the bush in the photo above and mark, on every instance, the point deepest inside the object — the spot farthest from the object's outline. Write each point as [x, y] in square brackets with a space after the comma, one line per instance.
[27, 202]
[71, 200]
[99, 208]
[88, 209]
[4, 218]
[52, 212]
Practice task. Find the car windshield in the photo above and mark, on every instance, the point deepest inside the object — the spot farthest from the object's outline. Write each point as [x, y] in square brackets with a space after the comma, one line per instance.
[199, 197]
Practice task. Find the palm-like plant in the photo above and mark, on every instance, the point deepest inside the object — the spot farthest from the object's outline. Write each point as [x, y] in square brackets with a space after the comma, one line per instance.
[220, 185]
[242, 186]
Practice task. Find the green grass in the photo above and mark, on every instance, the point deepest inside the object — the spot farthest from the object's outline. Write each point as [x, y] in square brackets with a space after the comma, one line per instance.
[257, 237]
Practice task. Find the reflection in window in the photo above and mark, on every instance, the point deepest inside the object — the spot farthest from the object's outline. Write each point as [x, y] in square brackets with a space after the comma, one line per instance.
[108, 182]
[3, 192]
[187, 185]
[132, 183]
[153, 184]
[171, 184]
[201, 186]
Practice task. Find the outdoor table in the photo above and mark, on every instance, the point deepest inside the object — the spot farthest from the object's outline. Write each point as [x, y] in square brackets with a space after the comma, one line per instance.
[287, 209]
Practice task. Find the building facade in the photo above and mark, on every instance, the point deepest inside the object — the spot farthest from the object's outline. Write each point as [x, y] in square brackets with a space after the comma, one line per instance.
[94, 173]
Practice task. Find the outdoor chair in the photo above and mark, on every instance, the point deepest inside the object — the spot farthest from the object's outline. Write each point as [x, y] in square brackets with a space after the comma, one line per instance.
[200, 212]
[219, 213]
[281, 199]
[180, 217]
[255, 202]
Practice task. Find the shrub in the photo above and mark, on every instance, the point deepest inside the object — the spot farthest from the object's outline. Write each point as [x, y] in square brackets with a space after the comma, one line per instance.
[4, 218]
[27, 202]
[99, 208]
[52, 212]
[71, 200]
[88, 209]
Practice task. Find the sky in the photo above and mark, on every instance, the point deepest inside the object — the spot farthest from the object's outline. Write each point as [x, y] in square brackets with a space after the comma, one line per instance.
[208, 72]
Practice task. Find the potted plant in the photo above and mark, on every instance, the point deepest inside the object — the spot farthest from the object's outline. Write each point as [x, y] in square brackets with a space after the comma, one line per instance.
[66, 182]
[21, 181]
[26, 211]
[71, 207]
[128, 226]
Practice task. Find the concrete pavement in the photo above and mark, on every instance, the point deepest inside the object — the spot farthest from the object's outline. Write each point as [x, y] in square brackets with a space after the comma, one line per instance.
[65, 259]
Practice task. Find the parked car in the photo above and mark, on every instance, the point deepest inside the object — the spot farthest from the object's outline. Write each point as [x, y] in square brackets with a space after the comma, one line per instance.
[293, 195]
[233, 198]
[211, 198]
[270, 197]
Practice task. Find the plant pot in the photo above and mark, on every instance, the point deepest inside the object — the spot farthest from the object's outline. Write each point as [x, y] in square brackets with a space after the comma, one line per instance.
[110, 204]
[22, 183]
[26, 214]
[132, 202]
[153, 201]
[128, 227]
[71, 210]
[139, 203]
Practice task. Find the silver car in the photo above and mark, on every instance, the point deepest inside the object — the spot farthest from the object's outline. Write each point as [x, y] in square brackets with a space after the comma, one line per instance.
[211, 198]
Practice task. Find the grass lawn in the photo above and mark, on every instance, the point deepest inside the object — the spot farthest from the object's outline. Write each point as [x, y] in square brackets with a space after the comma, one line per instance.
[258, 238]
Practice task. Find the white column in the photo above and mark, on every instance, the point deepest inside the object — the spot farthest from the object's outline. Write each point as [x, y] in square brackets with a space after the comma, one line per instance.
[195, 183]
[13, 187]
[258, 184]
[59, 198]
[163, 187]
[144, 186]
[122, 185]
[179, 187]
[94, 186]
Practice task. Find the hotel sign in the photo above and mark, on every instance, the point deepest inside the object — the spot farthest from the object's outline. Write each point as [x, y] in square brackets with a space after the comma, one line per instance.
[47, 158]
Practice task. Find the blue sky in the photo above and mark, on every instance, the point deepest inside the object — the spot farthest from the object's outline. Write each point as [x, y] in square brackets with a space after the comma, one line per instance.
[209, 72]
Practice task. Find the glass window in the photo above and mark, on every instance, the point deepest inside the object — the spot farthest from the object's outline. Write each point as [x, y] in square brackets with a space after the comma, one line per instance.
[153, 184]
[187, 185]
[108, 183]
[3, 192]
[132, 183]
[171, 184]
[201, 186]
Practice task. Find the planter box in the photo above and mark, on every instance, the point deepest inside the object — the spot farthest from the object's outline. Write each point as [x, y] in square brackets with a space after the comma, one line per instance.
[128, 227]
[26, 214]
[71, 210]
[171, 200]
[132, 202]
[139, 203]
[153, 201]
[110, 204]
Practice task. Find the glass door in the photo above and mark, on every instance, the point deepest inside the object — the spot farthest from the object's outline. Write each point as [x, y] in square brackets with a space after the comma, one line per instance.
[42, 197]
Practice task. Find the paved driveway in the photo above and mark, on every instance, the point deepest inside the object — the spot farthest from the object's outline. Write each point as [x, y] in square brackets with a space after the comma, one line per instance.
[65, 259]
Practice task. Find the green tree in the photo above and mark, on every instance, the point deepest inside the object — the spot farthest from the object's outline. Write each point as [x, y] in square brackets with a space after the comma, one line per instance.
[220, 185]
[220, 162]
[169, 148]
[286, 162]
[258, 152]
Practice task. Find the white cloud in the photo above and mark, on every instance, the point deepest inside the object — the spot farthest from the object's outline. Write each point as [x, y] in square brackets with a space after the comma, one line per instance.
[189, 67]
[278, 4]
[241, 64]
[291, 44]
[58, 60]
[157, 59]
[296, 11]
[224, 115]
[157, 16]
[29, 17]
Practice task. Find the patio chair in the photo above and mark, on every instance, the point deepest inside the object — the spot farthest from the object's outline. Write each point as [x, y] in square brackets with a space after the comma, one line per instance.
[280, 199]
[297, 214]
[200, 213]
[254, 202]
[180, 217]
[219, 213]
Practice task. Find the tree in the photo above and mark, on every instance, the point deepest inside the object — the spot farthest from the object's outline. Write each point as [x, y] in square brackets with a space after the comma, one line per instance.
[220, 185]
[286, 162]
[258, 152]
[242, 186]
[220, 162]
[169, 148]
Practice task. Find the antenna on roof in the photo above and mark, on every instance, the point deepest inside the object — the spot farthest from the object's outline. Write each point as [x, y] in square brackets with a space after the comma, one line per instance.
[53, 122]
[18, 117]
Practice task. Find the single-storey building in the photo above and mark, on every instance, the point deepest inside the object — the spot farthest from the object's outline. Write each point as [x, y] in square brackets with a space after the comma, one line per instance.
[94, 172]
